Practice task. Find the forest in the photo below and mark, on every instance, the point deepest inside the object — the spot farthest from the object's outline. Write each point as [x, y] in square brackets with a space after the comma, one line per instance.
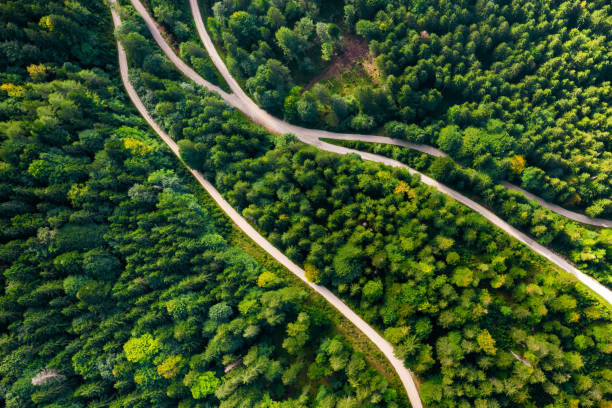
[519, 91]
[588, 248]
[122, 287]
[480, 319]
[119, 288]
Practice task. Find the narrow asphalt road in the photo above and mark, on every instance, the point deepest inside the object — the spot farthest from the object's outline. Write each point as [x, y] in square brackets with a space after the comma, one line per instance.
[275, 125]
[383, 345]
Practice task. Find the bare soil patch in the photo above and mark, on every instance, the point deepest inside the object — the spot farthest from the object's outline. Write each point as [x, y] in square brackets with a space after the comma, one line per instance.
[354, 50]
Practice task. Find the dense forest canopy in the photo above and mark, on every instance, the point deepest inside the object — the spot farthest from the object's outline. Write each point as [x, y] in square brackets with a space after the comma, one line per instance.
[517, 90]
[590, 249]
[118, 289]
[480, 319]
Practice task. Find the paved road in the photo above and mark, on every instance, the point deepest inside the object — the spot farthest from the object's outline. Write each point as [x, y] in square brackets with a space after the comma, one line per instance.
[383, 345]
[312, 137]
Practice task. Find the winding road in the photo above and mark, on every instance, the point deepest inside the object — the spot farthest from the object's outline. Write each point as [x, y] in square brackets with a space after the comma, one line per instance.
[598, 222]
[242, 102]
[383, 345]
[312, 136]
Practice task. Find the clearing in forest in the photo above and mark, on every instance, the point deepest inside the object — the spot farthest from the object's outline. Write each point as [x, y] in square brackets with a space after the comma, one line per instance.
[354, 51]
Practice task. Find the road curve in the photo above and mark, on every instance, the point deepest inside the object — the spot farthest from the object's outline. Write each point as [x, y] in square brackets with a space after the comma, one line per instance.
[598, 222]
[432, 151]
[275, 125]
[383, 345]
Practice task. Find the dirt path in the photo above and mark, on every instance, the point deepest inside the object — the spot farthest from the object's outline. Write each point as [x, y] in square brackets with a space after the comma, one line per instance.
[242, 102]
[383, 345]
